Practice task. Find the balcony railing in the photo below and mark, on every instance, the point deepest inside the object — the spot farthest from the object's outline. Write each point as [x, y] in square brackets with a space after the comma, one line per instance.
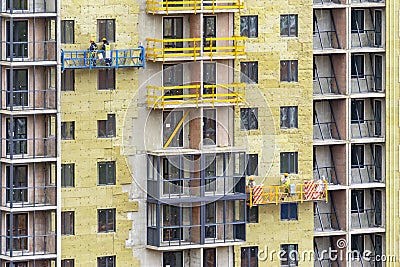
[28, 196]
[192, 48]
[227, 94]
[29, 6]
[196, 6]
[24, 99]
[29, 51]
[28, 245]
[366, 218]
[28, 148]
[85, 59]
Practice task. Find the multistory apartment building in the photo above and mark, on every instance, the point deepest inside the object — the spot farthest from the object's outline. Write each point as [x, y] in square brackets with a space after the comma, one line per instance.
[205, 102]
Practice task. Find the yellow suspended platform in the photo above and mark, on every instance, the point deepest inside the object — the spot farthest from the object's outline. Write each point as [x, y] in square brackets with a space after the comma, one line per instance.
[306, 192]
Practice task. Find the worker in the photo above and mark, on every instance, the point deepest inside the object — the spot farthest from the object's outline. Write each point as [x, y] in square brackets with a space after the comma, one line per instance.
[106, 51]
[251, 182]
[286, 182]
[93, 51]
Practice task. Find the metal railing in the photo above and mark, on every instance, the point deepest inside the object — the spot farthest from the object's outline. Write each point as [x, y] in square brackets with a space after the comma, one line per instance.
[366, 83]
[29, 51]
[193, 6]
[192, 48]
[366, 128]
[29, 99]
[366, 218]
[160, 96]
[86, 59]
[366, 38]
[28, 148]
[28, 196]
[29, 6]
[28, 245]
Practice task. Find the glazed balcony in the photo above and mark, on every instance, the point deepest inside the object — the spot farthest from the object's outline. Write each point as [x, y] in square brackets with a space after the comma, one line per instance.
[195, 95]
[166, 7]
[193, 49]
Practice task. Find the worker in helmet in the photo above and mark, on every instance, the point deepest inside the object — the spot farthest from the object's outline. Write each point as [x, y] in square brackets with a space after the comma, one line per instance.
[251, 182]
[93, 51]
[107, 51]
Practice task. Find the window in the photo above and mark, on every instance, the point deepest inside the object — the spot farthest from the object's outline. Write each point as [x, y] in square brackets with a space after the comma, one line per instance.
[19, 43]
[357, 246]
[68, 263]
[289, 71]
[106, 29]
[17, 264]
[357, 66]
[289, 211]
[290, 254]
[357, 111]
[171, 121]
[172, 176]
[209, 78]
[173, 259]
[106, 261]
[17, 5]
[67, 175]
[357, 156]
[249, 119]
[106, 128]
[173, 29]
[249, 257]
[171, 222]
[68, 80]
[209, 31]
[249, 26]
[19, 191]
[252, 214]
[106, 172]
[289, 117]
[68, 130]
[17, 227]
[67, 32]
[289, 25]
[210, 227]
[249, 72]
[357, 21]
[357, 201]
[210, 173]
[252, 164]
[209, 257]
[289, 162]
[16, 130]
[106, 220]
[106, 79]
[19, 95]
[209, 127]
[67, 222]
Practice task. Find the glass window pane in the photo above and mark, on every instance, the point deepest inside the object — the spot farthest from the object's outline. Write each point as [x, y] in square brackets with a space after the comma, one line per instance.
[284, 25]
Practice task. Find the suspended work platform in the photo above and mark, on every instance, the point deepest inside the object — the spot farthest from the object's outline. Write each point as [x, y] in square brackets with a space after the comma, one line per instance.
[85, 59]
[308, 191]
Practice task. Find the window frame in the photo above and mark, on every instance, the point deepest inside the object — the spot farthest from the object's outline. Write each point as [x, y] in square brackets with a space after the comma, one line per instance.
[246, 257]
[359, 195]
[108, 262]
[292, 211]
[68, 135]
[289, 155]
[246, 21]
[251, 170]
[65, 229]
[286, 257]
[359, 151]
[289, 112]
[288, 28]
[71, 35]
[68, 263]
[355, 17]
[109, 79]
[357, 108]
[250, 114]
[178, 253]
[356, 256]
[68, 81]
[355, 72]
[107, 164]
[109, 212]
[252, 214]
[64, 172]
[291, 75]
[109, 127]
[111, 37]
[249, 72]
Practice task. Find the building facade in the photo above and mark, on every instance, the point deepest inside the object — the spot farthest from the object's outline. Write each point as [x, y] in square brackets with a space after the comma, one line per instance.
[167, 132]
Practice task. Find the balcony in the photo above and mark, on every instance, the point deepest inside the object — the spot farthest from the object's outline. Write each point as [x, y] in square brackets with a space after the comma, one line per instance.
[20, 52]
[19, 7]
[25, 240]
[195, 95]
[188, 177]
[367, 210]
[192, 49]
[166, 7]
[195, 224]
[329, 243]
[85, 59]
